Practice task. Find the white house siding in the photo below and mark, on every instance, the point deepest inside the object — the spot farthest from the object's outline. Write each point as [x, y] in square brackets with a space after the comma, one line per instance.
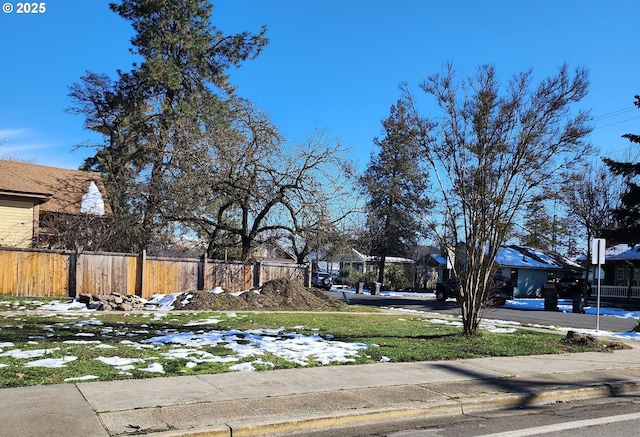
[16, 223]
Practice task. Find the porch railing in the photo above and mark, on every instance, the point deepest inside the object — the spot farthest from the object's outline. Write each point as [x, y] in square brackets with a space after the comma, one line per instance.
[617, 291]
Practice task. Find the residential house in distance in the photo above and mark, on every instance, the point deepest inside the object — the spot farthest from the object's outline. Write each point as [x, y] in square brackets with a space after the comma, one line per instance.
[528, 268]
[31, 193]
[352, 259]
[361, 263]
[434, 270]
[622, 266]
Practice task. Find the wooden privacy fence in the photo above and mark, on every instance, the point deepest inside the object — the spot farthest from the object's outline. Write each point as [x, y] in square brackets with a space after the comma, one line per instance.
[41, 273]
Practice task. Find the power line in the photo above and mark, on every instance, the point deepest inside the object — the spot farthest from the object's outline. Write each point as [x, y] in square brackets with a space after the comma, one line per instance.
[618, 122]
[616, 113]
[613, 113]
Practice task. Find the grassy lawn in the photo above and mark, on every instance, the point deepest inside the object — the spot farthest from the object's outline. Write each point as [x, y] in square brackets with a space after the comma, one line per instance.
[46, 348]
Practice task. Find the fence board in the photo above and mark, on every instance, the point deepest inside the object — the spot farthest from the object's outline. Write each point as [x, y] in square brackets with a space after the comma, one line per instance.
[294, 272]
[9, 276]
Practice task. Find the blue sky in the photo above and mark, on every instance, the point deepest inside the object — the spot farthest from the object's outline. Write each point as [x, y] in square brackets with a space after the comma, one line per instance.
[331, 64]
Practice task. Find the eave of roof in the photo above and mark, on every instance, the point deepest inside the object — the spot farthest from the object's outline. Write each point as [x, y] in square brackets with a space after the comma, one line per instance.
[39, 196]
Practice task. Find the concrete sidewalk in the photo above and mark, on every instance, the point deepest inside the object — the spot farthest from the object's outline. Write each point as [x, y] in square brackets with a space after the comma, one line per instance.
[281, 401]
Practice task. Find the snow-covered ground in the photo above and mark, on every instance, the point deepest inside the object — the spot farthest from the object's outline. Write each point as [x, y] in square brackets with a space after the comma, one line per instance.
[567, 307]
[563, 305]
[247, 347]
[250, 346]
[165, 302]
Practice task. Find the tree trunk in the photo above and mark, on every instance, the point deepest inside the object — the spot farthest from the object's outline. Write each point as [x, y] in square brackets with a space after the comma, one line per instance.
[383, 259]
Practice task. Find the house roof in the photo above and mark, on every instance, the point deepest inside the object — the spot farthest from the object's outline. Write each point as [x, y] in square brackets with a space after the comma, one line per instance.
[525, 258]
[388, 259]
[630, 254]
[353, 255]
[57, 189]
[435, 259]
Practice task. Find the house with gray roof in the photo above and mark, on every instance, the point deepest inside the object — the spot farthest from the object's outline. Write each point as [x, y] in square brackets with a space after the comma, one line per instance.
[528, 268]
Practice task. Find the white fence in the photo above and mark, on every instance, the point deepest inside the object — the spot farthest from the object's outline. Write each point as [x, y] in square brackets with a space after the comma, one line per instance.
[617, 291]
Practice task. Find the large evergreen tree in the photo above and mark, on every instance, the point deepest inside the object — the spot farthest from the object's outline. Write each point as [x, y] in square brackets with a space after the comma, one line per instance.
[627, 216]
[155, 117]
[395, 182]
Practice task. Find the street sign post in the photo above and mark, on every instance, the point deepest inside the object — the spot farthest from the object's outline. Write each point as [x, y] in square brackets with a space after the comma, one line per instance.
[597, 257]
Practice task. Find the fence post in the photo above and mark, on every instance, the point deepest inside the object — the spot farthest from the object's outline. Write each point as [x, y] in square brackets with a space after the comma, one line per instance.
[73, 274]
[248, 272]
[307, 276]
[257, 271]
[140, 266]
[202, 273]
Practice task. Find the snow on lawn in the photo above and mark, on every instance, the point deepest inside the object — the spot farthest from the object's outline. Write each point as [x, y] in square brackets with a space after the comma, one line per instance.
[248, 347]
[55, 305]
[25, 355]
[538, 305]
[295, 348]
[51, 362]
[82, 378]
[564, 305]
[567, 307]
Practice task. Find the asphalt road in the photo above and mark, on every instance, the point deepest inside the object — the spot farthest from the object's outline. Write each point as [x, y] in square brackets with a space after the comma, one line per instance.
[525, 317]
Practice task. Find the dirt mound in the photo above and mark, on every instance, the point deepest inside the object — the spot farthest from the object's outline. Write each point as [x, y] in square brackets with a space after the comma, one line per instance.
[588, 340]
[279, 294]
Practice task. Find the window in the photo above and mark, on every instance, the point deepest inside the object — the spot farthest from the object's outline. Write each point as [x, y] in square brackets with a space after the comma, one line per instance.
[620, 276]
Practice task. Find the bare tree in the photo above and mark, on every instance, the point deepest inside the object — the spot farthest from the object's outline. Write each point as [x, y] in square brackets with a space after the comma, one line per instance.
[590, 197]
[77, 232]
[248, 189]
[493, 148]
[319, 217]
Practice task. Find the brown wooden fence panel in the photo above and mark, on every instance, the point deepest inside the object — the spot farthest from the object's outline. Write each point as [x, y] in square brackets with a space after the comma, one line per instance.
[271, 270]
[104, 273]
[34, 273]
[231, 276]
[164, 276]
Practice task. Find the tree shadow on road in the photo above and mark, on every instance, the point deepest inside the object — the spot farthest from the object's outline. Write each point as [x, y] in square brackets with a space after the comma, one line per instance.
[536, 389]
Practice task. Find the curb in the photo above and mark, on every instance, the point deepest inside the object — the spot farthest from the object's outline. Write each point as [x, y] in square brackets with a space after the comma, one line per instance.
[440, 409]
